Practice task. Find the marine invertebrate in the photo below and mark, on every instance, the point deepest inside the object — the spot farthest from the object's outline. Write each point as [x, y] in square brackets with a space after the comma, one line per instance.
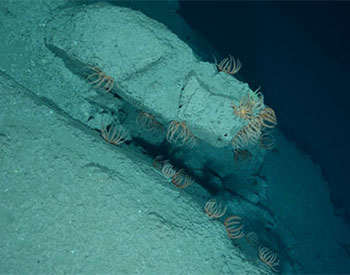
[178, 131]
[164, 166]
[114, 134]
[158, 162]
[181, 179]
[253, 130]
[257, 99]
[148, 121]
[168, 169]
[234, 227]
[269, 257]
[229, 65]
[244, 109]
[256, 130]
[252, 238]
[267, 140]
[250, 134]
[214, 209]
[268, 117]
[98, 77]
[240, 140]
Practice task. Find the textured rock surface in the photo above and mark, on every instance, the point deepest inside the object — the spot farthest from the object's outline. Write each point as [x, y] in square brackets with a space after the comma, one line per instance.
[153, 69]
[70, 203]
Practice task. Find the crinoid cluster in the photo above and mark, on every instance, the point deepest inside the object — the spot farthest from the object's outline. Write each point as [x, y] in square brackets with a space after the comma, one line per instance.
[266, 255]
[235, 230]
[258, 128]
[259, 121]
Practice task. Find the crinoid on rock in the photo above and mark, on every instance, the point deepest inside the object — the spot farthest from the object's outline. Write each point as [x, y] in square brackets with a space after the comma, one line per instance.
[268, 117]
[181, 180]
[228, 65]
[269, 257]
[164, 166]
[179, 132]
[257, 99]
[267, 140]
[234, 227]
[252, 238]
[158, 162]
[114, 134]
[249, 135]
[214, 209]
[99, 79]
[244, 109]
[148, 121]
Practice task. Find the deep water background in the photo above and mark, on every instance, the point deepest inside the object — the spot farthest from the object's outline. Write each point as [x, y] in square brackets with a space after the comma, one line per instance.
[299, 53]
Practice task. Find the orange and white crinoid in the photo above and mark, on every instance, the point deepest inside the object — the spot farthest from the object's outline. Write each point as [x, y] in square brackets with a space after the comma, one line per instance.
[148, 121]
[229, 65]
[178, 131]
[234, 227]
[214, 209]
[114, 134]
[99, 79]
[244, 109]
[269, 257]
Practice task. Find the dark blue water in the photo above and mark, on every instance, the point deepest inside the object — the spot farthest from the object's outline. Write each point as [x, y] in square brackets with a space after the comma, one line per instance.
[299, 53]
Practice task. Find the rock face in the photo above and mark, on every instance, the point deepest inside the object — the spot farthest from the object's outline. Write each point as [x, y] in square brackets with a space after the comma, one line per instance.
[71, 204]
[153, 69]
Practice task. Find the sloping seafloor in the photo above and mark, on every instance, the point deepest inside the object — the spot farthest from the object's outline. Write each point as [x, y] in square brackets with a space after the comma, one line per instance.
[71, 203]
